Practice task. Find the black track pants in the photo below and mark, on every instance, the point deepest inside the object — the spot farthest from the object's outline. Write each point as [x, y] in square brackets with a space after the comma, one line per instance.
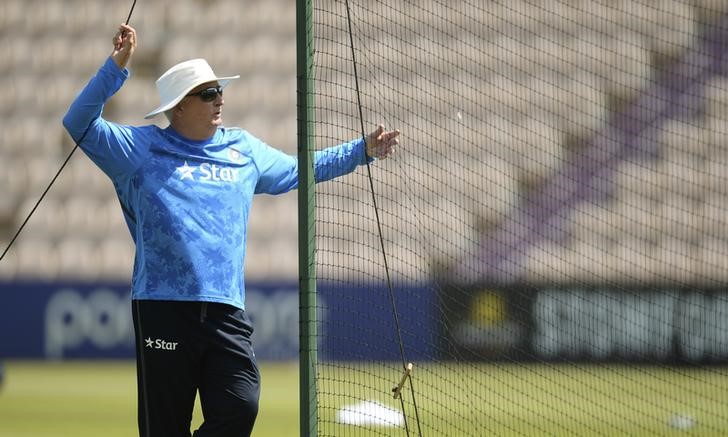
[183, 347]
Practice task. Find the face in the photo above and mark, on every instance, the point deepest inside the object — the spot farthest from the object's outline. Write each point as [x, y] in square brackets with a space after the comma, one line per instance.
[193, 110]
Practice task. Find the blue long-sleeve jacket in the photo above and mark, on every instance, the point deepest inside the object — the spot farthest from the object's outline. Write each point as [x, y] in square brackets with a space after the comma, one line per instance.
[186, 202]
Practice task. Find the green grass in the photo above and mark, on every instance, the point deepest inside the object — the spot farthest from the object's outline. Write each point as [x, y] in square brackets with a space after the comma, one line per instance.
[99, 399]
[471, 399]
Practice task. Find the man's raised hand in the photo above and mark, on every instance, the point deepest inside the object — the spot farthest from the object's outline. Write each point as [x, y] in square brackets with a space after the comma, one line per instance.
[381, 143]
[124, 45]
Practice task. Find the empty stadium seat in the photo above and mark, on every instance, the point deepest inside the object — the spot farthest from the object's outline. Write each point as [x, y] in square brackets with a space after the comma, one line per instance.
[712, 8]
[635, 217]
[586, 51]
[257, 264]
[13, 177]
[37, 258]
[548, 261]
[714, 215]
[582, 106]
[676, 29]
[352, 258]
[135, 99]
[684, 175]
[680, 218]
[117, 258]
[540, 147]
[713, 257]
[9, 264]
[677, 261]
[641, 177]
[592, 221]
[79, 258]
[14, 53]
[86, 216]
[635, 259]
[627, 65]
[49, 219]
[12, 13]
[716, 99]
[46, 16]
[271, 216]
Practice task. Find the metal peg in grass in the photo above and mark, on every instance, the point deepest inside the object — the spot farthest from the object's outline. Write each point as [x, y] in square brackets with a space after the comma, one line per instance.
[397, 390]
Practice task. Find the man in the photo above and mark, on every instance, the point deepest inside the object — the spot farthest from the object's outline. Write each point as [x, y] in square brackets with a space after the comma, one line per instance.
[185, 192]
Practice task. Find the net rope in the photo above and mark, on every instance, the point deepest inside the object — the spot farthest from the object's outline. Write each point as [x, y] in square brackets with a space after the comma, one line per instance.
[390, 289]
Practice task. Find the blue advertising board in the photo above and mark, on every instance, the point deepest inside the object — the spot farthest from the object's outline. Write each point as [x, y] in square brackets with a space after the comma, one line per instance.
[81, 320]
[357, 322]
[93, 320]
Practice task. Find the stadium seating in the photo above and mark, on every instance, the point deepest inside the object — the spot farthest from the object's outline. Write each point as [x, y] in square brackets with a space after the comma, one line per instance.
[546, 90]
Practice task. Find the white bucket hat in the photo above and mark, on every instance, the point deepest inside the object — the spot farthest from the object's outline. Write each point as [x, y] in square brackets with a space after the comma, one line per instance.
[179, 80]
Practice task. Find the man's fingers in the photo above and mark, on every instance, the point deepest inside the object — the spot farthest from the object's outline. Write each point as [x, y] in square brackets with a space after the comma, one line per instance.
[125, 29]
[116, 40]
[126, 33]
[393, 133]
[383, 142]
[386, 152]
[124, 45]
[387, 136]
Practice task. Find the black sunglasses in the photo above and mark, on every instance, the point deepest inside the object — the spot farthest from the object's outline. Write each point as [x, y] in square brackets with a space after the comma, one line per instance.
[208, 94]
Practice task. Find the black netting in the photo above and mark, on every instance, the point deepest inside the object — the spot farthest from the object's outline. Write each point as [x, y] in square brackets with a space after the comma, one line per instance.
[553, 220]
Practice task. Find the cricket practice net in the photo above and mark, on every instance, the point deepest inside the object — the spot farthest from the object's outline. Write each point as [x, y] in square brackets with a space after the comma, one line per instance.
[547, 246]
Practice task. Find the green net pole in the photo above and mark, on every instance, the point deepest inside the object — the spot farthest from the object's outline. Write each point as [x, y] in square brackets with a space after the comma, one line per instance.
[306, 219]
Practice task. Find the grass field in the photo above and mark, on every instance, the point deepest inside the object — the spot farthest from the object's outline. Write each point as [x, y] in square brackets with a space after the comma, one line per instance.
[51, 399]
[470, 399]
[99, 399]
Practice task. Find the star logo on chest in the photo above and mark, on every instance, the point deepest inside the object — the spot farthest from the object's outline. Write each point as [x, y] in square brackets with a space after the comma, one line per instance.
[149, 342]
[186, 172]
